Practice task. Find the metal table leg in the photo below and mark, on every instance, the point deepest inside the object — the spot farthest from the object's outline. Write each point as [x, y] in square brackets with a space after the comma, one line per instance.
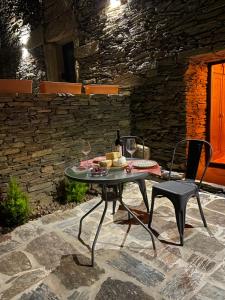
[135, 217]
[142, 188]
[104, 198]
[97, 233]
[84, 216]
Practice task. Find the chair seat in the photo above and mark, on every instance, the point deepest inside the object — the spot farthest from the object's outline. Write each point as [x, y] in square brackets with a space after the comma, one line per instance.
[179, 192]
[176, 188]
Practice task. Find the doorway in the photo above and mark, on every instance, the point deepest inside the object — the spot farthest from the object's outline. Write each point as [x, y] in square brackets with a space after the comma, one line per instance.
[68, 59]
[217, 112]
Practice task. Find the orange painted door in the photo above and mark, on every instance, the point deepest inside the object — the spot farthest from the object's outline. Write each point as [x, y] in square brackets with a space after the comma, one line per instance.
[217, 115]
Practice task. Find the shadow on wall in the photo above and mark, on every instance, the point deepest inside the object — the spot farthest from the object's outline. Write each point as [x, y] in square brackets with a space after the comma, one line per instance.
[10, 54]
[158, 110]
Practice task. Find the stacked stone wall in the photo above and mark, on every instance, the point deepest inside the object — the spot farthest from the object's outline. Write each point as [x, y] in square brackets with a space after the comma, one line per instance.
[38, 136]
[146, 47]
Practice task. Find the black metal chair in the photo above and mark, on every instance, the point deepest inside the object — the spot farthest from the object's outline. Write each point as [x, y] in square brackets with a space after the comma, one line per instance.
[179, 192]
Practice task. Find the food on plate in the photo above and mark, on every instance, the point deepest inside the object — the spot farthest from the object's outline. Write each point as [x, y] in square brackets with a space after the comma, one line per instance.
[118, 162]
[112, 155]
[99, 171]
[106, 163]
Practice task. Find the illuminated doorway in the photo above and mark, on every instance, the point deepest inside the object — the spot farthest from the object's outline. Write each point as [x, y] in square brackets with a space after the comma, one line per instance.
[217, 112]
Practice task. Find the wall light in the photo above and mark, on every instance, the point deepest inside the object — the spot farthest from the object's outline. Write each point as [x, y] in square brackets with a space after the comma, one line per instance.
[115, 3]
[25, 53]
[25, 35]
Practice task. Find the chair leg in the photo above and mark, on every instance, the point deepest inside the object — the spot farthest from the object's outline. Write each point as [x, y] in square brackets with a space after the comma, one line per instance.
[200, 209]
[180, 218]
[151, 210]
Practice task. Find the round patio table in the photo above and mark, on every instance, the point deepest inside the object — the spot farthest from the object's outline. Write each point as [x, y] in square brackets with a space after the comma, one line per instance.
[113, 178]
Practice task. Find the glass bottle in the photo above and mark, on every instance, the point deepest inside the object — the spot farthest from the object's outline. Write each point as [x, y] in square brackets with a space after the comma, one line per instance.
[118, 142]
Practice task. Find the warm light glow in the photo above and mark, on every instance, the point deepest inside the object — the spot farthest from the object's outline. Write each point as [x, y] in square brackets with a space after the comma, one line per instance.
[25, 53]
[24, 39]
[115, 3]
[25, 35]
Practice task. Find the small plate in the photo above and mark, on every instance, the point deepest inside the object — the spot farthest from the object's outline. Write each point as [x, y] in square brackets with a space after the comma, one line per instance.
[144, 164]
[79, 170]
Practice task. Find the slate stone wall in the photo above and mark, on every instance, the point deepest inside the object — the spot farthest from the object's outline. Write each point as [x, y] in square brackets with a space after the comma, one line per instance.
[147, 46]
[38, 136]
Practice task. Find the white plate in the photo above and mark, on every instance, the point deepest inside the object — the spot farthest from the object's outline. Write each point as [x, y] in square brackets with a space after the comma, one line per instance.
[144, 164]
[79, 170]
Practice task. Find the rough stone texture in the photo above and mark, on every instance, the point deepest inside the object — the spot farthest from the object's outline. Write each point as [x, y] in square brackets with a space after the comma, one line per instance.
[203, 244]
[40, 141]
[218, 205]
[48, 249]
[126, 267]
[116, 289]
[157, 50]
[181, 284]
[143, 273]
[73, 272]
[8, 246]
[210, 291]
[213, 217]
[42, 292]
[219, 275]
[79, 296]
[14, 263]
[21, 283]
[148, 47]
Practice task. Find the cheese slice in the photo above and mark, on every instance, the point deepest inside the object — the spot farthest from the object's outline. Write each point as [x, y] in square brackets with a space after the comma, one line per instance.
[106, 163]
[112, 155]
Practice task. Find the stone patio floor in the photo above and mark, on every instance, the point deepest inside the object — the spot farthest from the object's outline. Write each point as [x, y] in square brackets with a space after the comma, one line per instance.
[43, 259]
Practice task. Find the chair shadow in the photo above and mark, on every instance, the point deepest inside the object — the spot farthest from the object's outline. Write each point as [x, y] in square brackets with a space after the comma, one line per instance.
[83, 243]
[142, 216]
[79, 261]
[157, 234]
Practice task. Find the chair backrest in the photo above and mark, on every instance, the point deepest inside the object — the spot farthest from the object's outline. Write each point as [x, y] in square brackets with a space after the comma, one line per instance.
[194, 150]
[139, 140]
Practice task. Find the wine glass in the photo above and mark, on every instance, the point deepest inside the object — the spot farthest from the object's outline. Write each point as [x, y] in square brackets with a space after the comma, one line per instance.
[85, 149]
[131, 146]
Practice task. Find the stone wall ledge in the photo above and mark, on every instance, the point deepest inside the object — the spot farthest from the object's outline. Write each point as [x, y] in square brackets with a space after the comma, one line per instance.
[22, 97]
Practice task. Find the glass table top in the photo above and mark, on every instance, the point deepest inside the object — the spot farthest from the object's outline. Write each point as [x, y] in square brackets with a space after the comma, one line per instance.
[113, 177]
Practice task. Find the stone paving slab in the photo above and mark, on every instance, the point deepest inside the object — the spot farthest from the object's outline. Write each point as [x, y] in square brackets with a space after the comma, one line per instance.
[44, 260]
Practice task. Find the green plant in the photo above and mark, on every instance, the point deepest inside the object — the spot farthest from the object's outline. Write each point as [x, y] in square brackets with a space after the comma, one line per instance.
[14, 210]
[75, 191]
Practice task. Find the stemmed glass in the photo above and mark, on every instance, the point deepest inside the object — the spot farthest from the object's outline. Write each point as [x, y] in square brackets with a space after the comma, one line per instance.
[85, 149]
[131, 146]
